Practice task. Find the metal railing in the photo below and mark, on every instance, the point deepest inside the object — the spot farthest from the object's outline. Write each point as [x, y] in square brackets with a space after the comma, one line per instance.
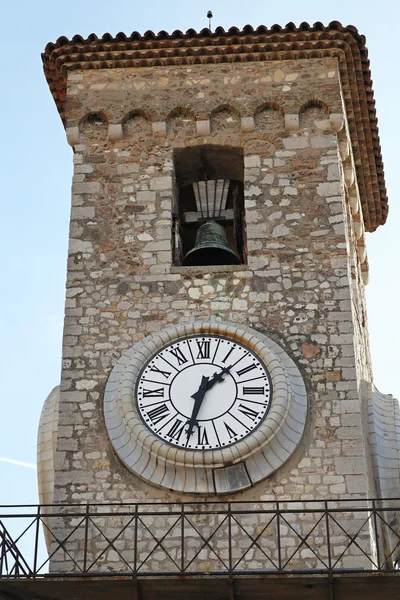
[200, 538]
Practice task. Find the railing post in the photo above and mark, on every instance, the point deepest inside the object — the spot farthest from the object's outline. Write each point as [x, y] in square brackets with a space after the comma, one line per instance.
[2, 557]
[328, 537]
[230, 538]
[86, 538]
[182, 537]
[36, 540]
[378, 558]
[278, 524]
[135, 540]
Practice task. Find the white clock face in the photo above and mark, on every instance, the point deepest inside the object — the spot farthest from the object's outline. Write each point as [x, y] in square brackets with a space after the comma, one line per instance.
[203, 392]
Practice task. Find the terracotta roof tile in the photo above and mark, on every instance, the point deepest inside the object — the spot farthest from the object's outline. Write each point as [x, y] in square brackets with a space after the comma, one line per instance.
[249, 44]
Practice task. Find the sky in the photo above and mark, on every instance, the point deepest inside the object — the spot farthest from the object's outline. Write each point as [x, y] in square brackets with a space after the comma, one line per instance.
[36, 170]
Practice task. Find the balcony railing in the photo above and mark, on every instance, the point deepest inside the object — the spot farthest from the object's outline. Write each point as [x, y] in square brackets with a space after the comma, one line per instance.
[200, 538]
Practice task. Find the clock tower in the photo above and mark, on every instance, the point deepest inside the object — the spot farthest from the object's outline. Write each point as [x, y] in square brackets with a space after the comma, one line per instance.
[215, 343]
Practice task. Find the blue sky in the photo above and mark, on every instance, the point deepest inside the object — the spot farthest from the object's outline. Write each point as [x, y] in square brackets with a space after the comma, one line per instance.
[36, 165]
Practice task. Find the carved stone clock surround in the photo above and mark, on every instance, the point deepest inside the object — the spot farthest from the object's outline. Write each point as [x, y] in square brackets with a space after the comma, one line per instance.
[220, 471]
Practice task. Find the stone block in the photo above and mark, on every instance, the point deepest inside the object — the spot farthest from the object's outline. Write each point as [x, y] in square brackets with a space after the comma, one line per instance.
[161, 183]
[349, 176]
[333, 172]
[146, 196]
[80, 168]
[251, 161]
[350, 465]
[86, 212]
[86, 187]
[323, 141]
[230, 479]
[247, 124]
[76, 246]
[358, 227]
[362, 250]
[72, 134]
[128, 168]
[349, 433]
[329, 189]
[344, 149]
[354, 202]
[337, 121]
[356, 484]
[115, 132]
[296, 143]
[159, 128]
[280, 231]
[292, 122]
[203, 127]
[365, 276]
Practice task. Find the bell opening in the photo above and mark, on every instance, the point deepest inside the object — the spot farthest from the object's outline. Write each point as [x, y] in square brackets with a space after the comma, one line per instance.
[208, 226]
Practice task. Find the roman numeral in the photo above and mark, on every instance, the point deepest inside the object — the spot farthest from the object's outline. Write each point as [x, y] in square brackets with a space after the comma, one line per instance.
[176, 430]
[230, 431]
[204, 349]
[158, 393]
[165, 374]
[246, 370]
[158, 413]
[229, 353]
[253, 390]
[248, 412]
[202, 438]
[180, 357]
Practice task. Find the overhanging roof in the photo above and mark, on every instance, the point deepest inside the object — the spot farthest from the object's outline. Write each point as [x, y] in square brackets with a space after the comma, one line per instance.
[261, 44]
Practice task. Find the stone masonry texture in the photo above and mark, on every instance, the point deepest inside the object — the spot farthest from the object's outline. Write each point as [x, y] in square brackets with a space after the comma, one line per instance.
[302, 285]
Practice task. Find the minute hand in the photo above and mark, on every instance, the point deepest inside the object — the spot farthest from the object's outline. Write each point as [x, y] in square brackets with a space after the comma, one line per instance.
[218, 377]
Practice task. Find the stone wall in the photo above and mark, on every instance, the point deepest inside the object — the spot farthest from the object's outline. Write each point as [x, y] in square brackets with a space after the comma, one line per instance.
[302, 286]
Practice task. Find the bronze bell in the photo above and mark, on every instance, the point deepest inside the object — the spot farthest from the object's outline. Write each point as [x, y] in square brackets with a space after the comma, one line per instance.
[211, 247]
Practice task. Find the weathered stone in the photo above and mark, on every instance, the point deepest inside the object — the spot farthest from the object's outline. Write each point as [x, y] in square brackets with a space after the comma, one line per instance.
[295, 287]
[87, 187]
[128, 168]
[203, 127]
[310, 350]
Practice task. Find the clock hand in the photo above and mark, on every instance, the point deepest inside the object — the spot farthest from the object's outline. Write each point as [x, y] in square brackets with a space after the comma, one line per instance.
[198, 400]
[205, 385]
[218, 377]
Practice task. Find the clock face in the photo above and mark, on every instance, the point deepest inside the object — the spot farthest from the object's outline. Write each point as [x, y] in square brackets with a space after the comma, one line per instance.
[203, 392]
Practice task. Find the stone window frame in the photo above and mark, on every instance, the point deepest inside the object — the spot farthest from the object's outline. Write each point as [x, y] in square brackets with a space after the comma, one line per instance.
[219, 161]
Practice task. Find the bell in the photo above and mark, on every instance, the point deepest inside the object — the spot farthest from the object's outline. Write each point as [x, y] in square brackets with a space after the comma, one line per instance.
[211, 247]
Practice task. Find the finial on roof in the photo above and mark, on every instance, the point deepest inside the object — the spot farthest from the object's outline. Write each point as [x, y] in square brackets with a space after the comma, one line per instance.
[209, 17]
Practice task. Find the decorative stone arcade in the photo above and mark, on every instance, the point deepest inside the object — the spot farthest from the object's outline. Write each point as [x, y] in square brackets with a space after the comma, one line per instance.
[249, 382]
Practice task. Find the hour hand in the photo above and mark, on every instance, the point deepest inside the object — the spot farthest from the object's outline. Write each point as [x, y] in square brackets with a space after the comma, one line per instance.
[198, 400]
[202, 389]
